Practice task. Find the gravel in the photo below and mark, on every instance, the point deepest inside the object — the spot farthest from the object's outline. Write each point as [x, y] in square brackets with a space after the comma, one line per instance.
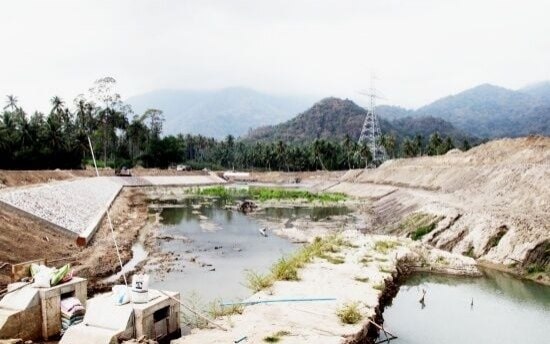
[73, 205]
[78, 204]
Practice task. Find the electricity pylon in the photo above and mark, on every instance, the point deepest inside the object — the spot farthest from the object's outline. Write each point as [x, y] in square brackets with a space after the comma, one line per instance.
[371, 134]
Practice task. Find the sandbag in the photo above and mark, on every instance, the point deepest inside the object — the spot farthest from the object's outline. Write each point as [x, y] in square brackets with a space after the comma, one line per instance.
[59, 274]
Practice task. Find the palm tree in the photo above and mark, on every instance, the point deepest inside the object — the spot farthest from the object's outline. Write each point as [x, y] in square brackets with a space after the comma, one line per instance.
[348, 147]
[281, 154]
[57, 104]
[11, 102]
[318, 147]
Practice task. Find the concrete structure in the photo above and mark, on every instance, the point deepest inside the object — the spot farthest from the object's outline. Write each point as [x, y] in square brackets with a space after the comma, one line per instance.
[106, 322]
[35, 313]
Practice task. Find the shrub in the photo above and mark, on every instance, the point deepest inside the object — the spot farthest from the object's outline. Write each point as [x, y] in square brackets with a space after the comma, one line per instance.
[349, 313]
[274, 338]
[256, 281]
[384, 246]
[422, 230]
[217, 310]
[286, 269]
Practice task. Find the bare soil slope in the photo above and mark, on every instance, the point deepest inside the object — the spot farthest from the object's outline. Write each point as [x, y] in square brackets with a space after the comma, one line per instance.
[492, 202]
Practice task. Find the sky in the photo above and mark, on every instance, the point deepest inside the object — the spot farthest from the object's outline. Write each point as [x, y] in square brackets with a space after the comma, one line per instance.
[420, 50]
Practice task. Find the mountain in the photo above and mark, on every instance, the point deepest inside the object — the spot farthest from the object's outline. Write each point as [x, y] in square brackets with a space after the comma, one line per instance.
[540, 91]
[489, 111]
[218, 113]
[333, 118]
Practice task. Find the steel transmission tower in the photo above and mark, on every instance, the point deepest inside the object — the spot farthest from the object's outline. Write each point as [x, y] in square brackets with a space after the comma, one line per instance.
[370, 133]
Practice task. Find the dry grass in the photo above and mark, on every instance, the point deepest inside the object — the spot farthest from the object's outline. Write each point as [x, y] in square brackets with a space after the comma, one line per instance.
[349, 313]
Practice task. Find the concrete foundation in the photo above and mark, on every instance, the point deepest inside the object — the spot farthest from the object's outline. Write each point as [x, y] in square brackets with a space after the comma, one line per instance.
[35, 313]
[106, 322]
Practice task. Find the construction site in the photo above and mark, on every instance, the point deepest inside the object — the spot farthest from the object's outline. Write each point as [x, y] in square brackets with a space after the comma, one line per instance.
[292, 257]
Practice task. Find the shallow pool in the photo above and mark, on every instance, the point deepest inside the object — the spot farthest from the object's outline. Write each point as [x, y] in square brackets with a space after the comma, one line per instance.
[226, 244]
[497, 308]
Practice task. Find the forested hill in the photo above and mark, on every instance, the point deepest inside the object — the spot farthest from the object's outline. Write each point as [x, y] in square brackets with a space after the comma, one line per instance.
[218, 113]
[490, 111]
[334, 118]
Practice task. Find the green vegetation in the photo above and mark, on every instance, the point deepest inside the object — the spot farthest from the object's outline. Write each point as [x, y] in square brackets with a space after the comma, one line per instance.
[417, 225]
[257, 282]
[366, 260]
[442, 260]
[349, 313]
[286, 268]
[361, 279]
[421, 231]
[217, 310]
[379, 286]
[334, 259]
[120, 137]
[264, 194]
[276, 337]
[384, 246]
[536, 268]
[469, 252]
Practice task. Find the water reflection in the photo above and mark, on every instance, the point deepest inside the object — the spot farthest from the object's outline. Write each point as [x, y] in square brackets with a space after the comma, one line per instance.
[496, 308]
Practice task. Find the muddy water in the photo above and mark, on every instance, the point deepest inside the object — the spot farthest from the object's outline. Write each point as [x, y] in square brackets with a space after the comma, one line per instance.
[223, 245]
[504, 310]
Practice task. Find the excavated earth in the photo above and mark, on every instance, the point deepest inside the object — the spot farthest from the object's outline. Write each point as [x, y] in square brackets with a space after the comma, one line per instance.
[491, 203]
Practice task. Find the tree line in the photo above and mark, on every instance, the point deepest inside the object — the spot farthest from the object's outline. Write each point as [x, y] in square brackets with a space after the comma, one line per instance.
[120, 137]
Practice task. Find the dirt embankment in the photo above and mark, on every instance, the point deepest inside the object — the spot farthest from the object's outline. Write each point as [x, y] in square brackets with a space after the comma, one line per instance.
[10, 178]
[491, 203]
[24, 239]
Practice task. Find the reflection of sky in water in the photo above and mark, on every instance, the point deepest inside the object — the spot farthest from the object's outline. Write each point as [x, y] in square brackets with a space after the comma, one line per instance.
[505, 310]
[240, 247]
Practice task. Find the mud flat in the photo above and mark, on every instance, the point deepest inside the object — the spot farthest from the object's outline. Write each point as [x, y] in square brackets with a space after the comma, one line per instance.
[358, 273]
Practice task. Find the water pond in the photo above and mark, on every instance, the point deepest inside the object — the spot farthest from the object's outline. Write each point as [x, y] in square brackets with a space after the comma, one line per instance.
[226, 244]
[497, 308]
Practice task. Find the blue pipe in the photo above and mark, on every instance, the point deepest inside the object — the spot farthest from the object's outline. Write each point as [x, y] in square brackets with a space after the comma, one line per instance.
[278, 300]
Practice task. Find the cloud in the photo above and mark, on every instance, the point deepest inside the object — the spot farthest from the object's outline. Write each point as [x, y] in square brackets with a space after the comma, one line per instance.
[421, 49]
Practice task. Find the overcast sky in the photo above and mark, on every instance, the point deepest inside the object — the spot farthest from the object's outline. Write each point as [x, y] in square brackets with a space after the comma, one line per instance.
[420, 49]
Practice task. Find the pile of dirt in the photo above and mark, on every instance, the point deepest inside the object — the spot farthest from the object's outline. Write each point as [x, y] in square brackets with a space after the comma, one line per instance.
[493, 201]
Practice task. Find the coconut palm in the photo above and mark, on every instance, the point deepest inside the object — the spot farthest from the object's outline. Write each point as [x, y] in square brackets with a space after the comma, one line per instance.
[11, 102]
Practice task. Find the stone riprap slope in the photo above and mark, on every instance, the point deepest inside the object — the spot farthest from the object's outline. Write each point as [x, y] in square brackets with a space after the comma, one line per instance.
[491, 202]
[77, 206]
[71, 205]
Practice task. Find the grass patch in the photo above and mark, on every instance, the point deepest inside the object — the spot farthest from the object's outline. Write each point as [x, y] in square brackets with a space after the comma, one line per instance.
[422, 230]
[366, 260]
[286, 268]
[381, 259]
[276, 337]
[386, 269]
[361, 279]
[335, 259]
[469, 252]
[535, 268]
[217, 310]
[441, 260]
[384, 246]
[349, 313]
[264, 194]
[380, 286]
[256, 281]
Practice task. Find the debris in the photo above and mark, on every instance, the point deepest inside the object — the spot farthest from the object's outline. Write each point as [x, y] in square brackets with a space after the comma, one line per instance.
[263, 231]
[246, 206]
